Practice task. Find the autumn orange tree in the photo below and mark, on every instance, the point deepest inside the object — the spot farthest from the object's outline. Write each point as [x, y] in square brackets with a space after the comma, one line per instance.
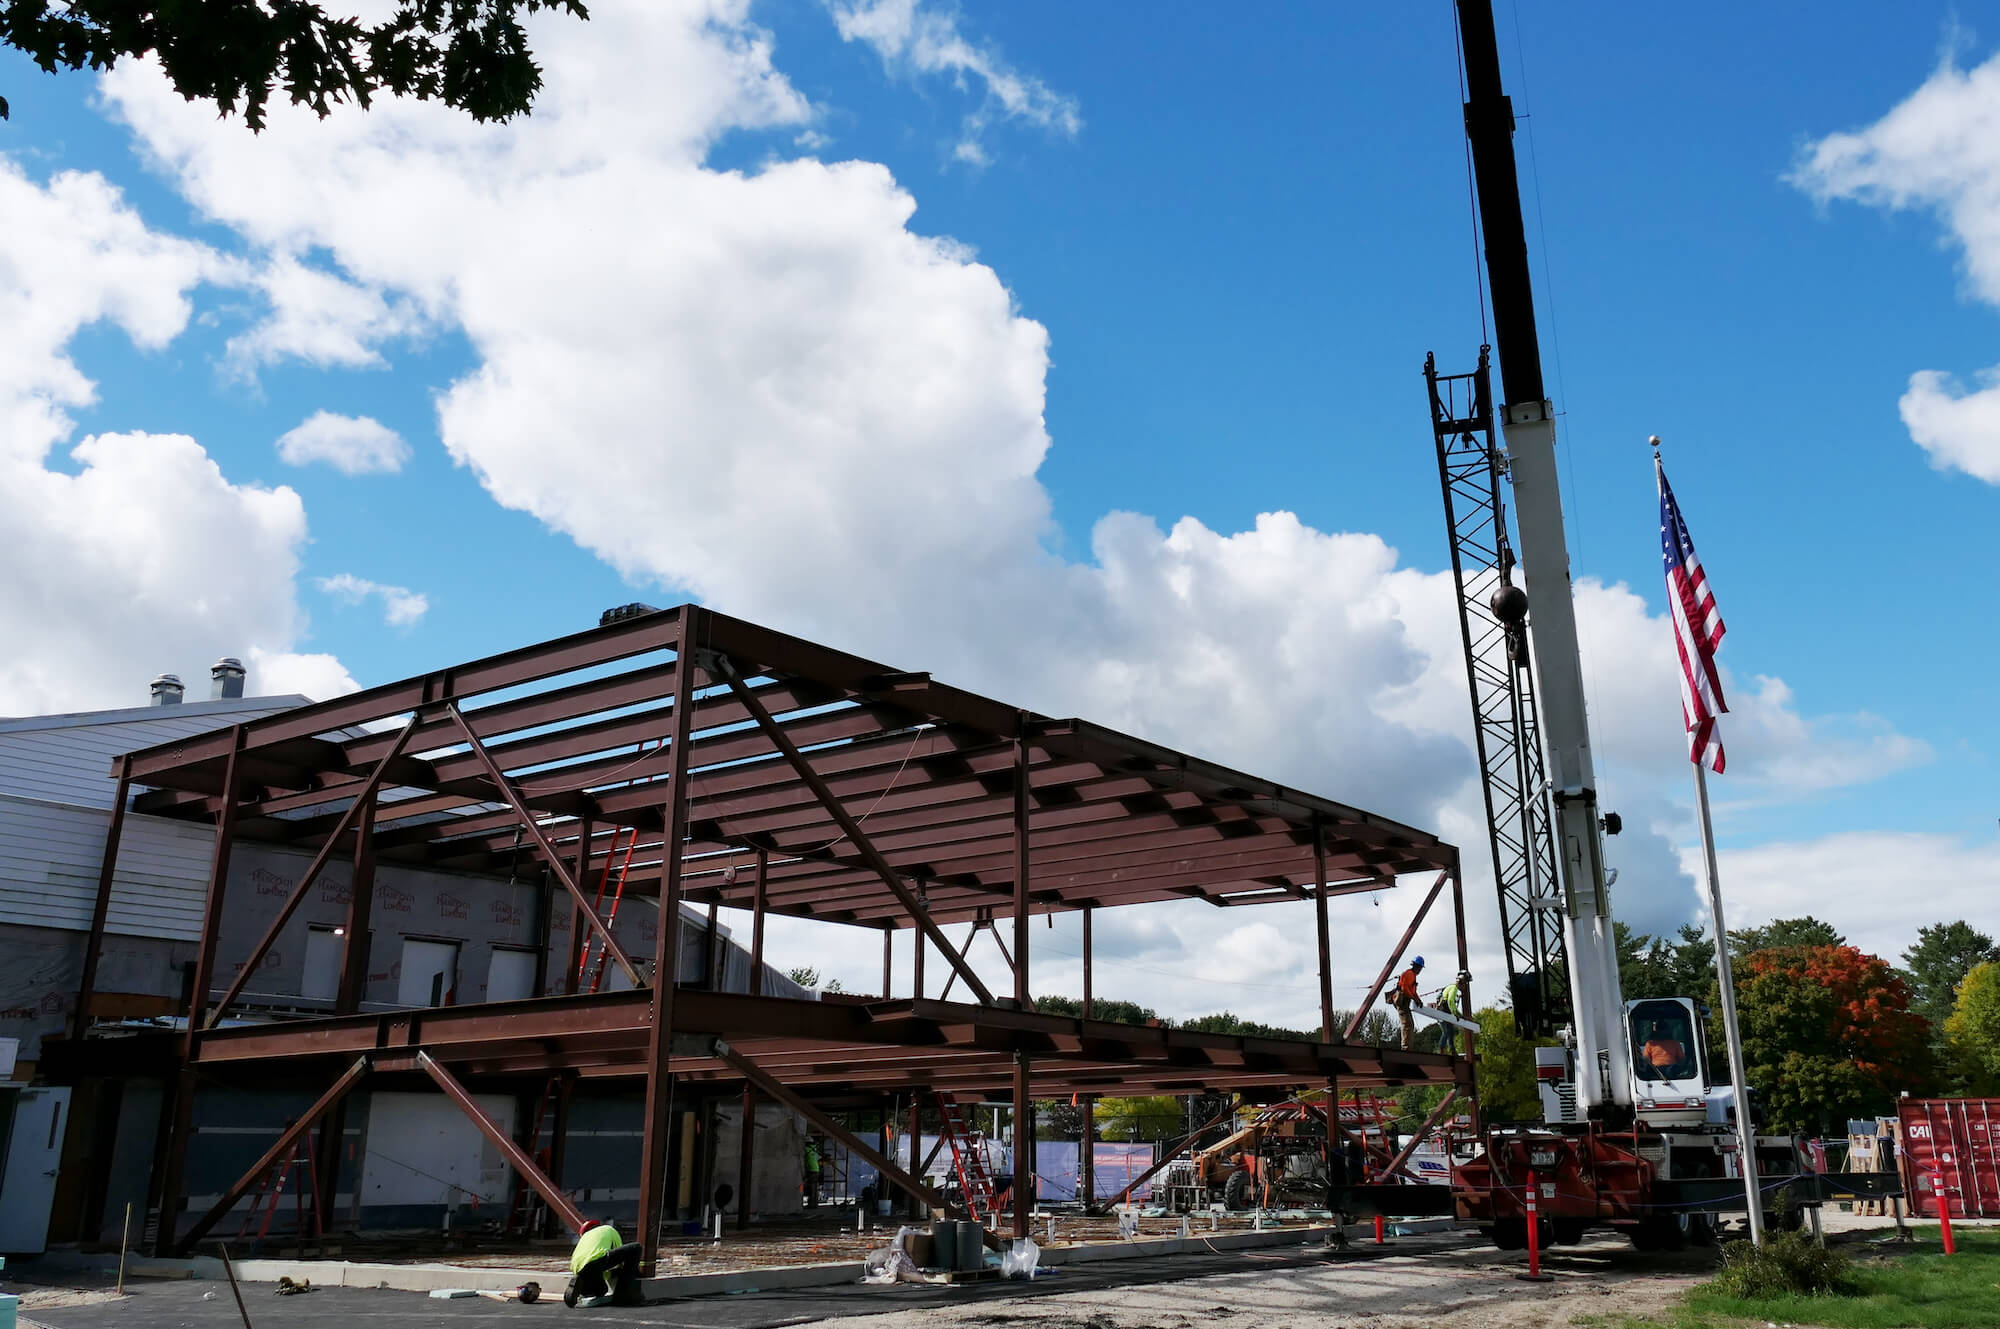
[1828, 1034]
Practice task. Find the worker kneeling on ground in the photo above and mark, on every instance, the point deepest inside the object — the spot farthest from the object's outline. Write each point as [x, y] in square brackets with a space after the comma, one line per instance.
[605, 1271]
[1404, 997]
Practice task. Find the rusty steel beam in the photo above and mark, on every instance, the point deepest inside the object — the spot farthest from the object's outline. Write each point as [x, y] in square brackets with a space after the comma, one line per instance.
[528, 823]
[100, 911]
[551, 1194]
[363, 802]
[286, 1139]
[771, 1088]
[1402, 1159]
[852, 828]
[1361, 1012]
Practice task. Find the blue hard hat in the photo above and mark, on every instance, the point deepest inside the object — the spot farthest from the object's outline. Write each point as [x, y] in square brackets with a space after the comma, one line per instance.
[1418, 962]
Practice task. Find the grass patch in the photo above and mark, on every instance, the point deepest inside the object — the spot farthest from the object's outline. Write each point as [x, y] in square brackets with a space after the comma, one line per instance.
[1884, 1289]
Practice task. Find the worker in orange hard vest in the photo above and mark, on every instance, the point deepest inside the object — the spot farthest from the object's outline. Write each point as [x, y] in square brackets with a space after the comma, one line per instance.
[1404, 997]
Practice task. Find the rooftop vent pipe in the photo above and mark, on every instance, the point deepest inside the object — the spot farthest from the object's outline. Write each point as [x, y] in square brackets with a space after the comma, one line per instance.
[167, 690]
[225, 678]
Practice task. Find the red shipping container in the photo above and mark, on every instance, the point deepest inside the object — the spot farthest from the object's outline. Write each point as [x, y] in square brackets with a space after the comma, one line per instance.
[1953, 1143]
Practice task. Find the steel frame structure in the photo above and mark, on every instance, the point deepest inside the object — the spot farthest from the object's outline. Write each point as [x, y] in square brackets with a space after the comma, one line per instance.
[1506, 727]
[763, 772]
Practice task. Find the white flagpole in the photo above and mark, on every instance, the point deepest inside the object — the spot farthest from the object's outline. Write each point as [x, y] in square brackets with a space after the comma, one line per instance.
[1746, 1134]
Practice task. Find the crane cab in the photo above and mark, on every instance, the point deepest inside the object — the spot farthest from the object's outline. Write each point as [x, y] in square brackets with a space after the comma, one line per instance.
[1670, 1077]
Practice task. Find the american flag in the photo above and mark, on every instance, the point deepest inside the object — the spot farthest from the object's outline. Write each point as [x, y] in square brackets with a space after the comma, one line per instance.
[1697, 631]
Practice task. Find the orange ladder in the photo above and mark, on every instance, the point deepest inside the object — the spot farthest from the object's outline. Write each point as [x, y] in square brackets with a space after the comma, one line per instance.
[271, 1189]
[629, 836]
[968, 1160]
[529, 1208]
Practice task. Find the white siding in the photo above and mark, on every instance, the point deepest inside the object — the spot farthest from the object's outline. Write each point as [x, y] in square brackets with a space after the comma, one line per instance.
[67, 759]
[50, 856]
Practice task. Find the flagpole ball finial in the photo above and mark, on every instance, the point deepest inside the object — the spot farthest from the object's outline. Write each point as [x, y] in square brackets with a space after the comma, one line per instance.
[1654, 440]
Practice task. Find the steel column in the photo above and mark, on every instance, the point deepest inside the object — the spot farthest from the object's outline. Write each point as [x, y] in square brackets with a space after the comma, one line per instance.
[1023, 802]
[1024, 1148]
[93, 946]
[666, 968]
[888, 969]
[712, 965]
[512, 796]
[362, 807]
[1465, 1039]
[757, 924]
[551, 1194]
[172, 1159]
[1325, 946]
[849, 827]
[916, 1136]
[1361, 1013]
[746, 1170]
[286, 1139]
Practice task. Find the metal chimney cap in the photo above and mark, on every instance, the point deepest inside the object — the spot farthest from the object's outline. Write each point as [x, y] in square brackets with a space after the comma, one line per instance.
[167, 690]
[227, 674]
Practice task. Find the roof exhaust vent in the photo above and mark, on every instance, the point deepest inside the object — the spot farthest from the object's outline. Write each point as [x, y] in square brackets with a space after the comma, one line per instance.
[167, 690]
[225, 678]
[619, 613]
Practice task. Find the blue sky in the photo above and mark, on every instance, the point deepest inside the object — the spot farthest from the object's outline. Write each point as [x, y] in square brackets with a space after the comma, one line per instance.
[1240, 239]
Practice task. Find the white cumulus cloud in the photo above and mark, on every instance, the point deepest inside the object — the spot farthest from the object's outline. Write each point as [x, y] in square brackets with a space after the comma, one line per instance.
[354, 444]
[820, 417]
[401, 606]
[1939, 150]
[139, 556]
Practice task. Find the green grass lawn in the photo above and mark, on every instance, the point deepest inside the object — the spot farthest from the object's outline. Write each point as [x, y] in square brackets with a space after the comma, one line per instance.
[1915, 1287]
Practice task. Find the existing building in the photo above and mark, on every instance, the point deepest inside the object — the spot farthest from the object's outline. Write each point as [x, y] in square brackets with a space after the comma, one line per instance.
[438, 937]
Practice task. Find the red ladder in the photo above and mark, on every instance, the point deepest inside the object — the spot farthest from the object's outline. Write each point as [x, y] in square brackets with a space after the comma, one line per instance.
[271, 1189]
[968, 1160]
[629, 836]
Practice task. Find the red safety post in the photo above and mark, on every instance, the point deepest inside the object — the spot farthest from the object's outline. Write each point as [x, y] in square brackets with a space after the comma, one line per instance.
[1534, 1274]
[1378, 1231]
[1944, 1211]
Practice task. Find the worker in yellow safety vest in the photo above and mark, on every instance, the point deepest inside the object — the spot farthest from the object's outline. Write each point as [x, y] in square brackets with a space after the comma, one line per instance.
[603, 1269]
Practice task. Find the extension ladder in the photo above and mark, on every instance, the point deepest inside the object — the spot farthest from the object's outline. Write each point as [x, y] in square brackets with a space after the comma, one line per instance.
[968, 1160]
[629, 836]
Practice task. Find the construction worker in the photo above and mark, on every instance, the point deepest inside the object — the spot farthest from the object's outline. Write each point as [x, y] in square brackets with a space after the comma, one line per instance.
[1663, 1052]
[1448, 1003]
[1404, 997]
[603, 1270]
[812, 1173]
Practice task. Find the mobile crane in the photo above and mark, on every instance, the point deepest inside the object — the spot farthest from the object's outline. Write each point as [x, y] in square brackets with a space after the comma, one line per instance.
[1635, 1133]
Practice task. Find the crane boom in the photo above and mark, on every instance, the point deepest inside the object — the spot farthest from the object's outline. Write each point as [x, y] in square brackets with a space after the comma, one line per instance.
[1527, 425]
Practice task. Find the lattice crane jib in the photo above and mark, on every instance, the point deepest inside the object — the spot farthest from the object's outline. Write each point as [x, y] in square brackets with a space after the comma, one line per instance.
[1506, 730]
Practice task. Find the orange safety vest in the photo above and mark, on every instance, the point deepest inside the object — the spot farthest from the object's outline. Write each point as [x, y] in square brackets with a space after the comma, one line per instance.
[1407, 984]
